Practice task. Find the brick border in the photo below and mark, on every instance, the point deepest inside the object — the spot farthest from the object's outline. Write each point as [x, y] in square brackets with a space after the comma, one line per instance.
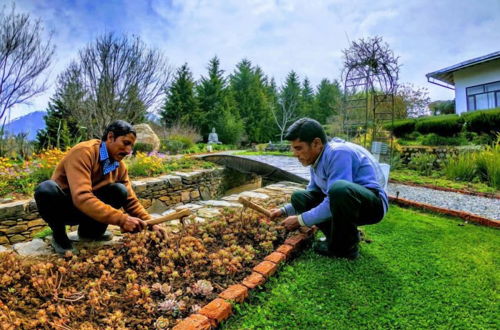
[460, 214]
[458, 191]
[220, 309]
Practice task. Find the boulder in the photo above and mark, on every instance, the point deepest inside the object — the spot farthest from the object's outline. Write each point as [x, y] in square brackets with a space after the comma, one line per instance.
[146, 135]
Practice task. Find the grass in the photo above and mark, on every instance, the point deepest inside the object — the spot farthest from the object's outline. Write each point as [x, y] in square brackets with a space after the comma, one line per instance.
[410, 176]
[419, 271]
[263, 153]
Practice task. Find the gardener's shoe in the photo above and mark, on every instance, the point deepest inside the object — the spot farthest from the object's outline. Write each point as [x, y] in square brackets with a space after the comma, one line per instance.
[106, 236]
[61, 246]
[321, 247]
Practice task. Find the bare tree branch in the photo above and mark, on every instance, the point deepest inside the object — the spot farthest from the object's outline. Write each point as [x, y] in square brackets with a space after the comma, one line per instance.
[23, 58]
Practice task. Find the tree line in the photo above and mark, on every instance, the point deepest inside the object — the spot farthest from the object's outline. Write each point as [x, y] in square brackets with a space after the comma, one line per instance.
[120, 77]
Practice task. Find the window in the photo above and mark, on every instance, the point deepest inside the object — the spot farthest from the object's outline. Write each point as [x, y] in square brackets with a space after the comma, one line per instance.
[485, 96]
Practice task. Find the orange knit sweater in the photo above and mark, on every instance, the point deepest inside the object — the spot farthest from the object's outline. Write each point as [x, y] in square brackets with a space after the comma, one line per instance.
[81, 171]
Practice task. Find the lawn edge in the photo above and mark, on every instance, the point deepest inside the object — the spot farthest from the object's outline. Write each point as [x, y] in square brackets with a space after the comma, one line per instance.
[459, 191]
[220, 309]
[460, 214]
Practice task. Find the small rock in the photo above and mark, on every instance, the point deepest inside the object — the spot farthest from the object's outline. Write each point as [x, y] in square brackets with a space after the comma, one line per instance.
[36, 247]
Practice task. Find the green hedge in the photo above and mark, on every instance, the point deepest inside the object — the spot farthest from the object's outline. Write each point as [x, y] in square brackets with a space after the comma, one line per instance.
[401, 127]
[446, 125]
[484, 121]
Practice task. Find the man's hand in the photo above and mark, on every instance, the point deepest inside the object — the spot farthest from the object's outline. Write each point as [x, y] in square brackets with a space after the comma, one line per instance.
[160, 231]
[291, 223]
[275, 213]
[133, 225]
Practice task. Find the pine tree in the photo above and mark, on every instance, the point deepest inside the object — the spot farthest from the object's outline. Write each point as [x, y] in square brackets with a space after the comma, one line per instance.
[180, 104]
[247, 85]
[328, 100]
[307, 99]
[61, 128]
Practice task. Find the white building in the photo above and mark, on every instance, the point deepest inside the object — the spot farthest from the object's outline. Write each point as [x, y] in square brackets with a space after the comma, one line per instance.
[476, 82]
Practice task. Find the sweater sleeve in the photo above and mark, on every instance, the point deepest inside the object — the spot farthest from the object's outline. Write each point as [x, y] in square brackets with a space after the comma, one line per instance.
[339, 168]
[132, 206]
[78, 168]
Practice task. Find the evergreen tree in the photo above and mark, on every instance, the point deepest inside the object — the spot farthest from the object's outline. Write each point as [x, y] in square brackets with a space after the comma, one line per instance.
[61, 128]
[249, 93]
[307, 99]
[328, 100]
[180, 104]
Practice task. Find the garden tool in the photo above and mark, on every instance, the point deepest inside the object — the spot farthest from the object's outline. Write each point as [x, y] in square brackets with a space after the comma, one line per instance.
[254, 206]
[169, 217]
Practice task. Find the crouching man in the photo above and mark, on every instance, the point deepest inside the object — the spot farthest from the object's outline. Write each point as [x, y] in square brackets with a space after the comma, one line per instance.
[89, 186]
[345, 190]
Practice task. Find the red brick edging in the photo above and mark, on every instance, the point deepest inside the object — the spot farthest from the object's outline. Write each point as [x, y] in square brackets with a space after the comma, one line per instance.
[219, 309]
[460, 214]
[459, 191]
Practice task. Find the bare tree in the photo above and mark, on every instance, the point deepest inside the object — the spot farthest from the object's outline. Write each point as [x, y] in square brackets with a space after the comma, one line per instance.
[121, 79]
[287, 109]
[23, 57]
[415, 101]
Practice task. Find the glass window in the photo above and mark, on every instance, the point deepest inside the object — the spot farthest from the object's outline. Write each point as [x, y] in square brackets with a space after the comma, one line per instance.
[475, 90]
[470, 103]
[481, 101]
[498, 99]
[491, 100]
[493, 87]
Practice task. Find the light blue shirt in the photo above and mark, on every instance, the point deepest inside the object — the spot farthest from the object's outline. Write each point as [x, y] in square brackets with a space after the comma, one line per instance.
[339, 160]
[107, 164]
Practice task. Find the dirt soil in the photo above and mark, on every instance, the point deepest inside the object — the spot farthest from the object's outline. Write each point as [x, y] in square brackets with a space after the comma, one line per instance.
[143, 282]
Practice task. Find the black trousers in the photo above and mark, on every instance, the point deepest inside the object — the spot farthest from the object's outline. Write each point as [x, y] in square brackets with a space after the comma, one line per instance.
[57, 209]
[351, 205]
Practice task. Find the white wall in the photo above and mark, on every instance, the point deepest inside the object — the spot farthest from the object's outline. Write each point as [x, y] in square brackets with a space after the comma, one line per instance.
[475, 75]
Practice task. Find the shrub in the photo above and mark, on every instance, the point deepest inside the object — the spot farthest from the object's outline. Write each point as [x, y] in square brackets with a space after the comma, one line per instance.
[423, 163]
[446, 125]
[432, 139]
[488, 164]
[176, 144]
[484, 121]
[143, 165]
[462, 167]
[401, 127]
[143, 147]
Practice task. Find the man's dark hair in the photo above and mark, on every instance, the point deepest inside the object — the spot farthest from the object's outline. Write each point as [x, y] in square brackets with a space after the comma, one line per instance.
[306, 130]
[119, 128]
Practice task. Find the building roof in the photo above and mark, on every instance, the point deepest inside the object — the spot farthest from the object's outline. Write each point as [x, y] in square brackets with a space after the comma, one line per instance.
[446, 75]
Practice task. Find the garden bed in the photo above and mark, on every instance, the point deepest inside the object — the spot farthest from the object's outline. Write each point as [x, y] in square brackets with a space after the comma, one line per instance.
[142, 282]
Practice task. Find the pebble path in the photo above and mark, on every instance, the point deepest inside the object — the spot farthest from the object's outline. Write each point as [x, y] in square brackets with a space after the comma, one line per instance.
[482, 206]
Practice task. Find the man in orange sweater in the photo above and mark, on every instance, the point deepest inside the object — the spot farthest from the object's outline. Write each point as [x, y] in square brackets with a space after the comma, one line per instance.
[88, 188]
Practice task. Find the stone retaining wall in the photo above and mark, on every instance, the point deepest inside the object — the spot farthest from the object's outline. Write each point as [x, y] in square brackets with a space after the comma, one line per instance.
[441, 153]
[20, 221]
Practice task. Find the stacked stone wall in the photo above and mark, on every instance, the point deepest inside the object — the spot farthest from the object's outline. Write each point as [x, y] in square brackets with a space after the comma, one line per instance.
[20, 220]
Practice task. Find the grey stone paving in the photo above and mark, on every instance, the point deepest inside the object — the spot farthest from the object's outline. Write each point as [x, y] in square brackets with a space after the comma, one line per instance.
[483, 206]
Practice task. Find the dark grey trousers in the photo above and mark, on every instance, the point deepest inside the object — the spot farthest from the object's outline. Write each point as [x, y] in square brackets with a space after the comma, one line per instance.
[57, 209]
[351, 205]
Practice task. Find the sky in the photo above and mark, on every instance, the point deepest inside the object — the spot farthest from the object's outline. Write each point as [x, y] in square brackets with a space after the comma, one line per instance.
[306, 36]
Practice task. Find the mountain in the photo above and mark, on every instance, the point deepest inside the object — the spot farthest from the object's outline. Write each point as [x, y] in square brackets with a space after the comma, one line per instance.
[29, 123]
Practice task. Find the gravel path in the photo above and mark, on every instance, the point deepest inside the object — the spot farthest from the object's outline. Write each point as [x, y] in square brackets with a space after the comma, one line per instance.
[483, 206]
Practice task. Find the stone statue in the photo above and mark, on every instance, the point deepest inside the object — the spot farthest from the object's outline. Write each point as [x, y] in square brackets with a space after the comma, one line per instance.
[213, 138]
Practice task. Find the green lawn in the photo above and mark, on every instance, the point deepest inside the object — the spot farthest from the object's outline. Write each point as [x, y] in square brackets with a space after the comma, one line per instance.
[419, 271]
[410, 176]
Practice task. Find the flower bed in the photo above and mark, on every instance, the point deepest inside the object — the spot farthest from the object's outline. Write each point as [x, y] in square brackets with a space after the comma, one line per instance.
[143, 282]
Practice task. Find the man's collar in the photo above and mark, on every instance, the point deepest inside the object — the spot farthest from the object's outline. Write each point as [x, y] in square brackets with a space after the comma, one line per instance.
[315, 164]
[107, 164]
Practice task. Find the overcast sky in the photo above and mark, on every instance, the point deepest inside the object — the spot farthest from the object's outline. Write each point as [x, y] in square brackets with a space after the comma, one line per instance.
[306, 36]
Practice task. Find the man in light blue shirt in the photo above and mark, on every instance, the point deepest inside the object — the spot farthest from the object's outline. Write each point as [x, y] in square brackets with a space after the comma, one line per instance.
[345, 190]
